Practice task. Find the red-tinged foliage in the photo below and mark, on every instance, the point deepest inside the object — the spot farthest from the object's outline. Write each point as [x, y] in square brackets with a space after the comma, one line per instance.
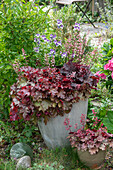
[50, 92]
[85, 138]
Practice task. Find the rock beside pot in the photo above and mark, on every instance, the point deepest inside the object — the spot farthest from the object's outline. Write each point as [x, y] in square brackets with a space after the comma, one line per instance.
[92, 161]
[19, 150]
[24, 162]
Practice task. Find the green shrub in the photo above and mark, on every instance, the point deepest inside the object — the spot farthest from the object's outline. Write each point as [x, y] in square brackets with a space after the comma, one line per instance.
[19, 22]
[7, 78]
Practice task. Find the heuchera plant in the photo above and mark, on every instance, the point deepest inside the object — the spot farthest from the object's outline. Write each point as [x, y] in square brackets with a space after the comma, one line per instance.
[92, 136]
[49, 92]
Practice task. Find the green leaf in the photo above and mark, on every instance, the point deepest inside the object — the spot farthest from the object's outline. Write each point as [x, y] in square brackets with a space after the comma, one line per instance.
[44, 105]
[28, 134]
[102, 112]
[8, 67]
[110, 52]
[1, 138]
[111, 41]
[37, 104]
[110, 116]
[108, 124]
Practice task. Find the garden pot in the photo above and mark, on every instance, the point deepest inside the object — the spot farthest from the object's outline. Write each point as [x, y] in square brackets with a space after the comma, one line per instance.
[92, 161]
[54, 133]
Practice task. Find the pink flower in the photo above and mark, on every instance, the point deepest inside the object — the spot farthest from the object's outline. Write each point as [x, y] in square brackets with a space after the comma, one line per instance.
[67, 128]
[109, 65]
[106, 67]
[94, 112]
[97, 73]
[102, 75]
[83, 116]
[76, 125]
[23, 52]
[112, 75]
[102, 124]
[98, 77]
[93, 53]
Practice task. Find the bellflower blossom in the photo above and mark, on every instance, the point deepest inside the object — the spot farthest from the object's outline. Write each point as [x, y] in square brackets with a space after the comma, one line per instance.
[37, 35]
[59, 24]
[43, 37]
[36, 49]
[38, 41]
[76, 26]
[52, 52]
[57, 43]
[64, 55]
[52, 36]
[73, 55]
[48, 41]
[35, 40]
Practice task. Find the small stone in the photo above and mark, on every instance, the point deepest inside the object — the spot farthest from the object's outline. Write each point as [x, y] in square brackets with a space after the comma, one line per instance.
[24, 162]
[19, 150]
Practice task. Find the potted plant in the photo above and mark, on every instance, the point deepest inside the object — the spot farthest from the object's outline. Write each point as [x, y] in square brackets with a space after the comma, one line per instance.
[61, 85]
[90, 141]
[47, 94]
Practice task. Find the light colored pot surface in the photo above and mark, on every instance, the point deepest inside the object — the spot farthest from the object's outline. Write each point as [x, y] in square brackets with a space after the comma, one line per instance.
[91, 161]
[54, 133]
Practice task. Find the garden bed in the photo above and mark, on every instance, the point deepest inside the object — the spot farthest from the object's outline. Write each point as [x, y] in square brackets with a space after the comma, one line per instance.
[49, 42]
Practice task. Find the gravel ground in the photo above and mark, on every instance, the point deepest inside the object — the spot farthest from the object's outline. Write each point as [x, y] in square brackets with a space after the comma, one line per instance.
[97, 35]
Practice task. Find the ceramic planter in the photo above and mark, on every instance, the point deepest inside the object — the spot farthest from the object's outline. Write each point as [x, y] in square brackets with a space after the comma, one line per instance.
[54, 133]
[92, 161]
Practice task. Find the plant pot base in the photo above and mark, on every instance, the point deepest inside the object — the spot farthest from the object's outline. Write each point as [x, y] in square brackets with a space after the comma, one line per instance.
[92, 161]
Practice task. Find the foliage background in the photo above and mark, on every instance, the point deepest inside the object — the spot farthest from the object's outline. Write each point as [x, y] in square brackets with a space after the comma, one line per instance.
[19, 22]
